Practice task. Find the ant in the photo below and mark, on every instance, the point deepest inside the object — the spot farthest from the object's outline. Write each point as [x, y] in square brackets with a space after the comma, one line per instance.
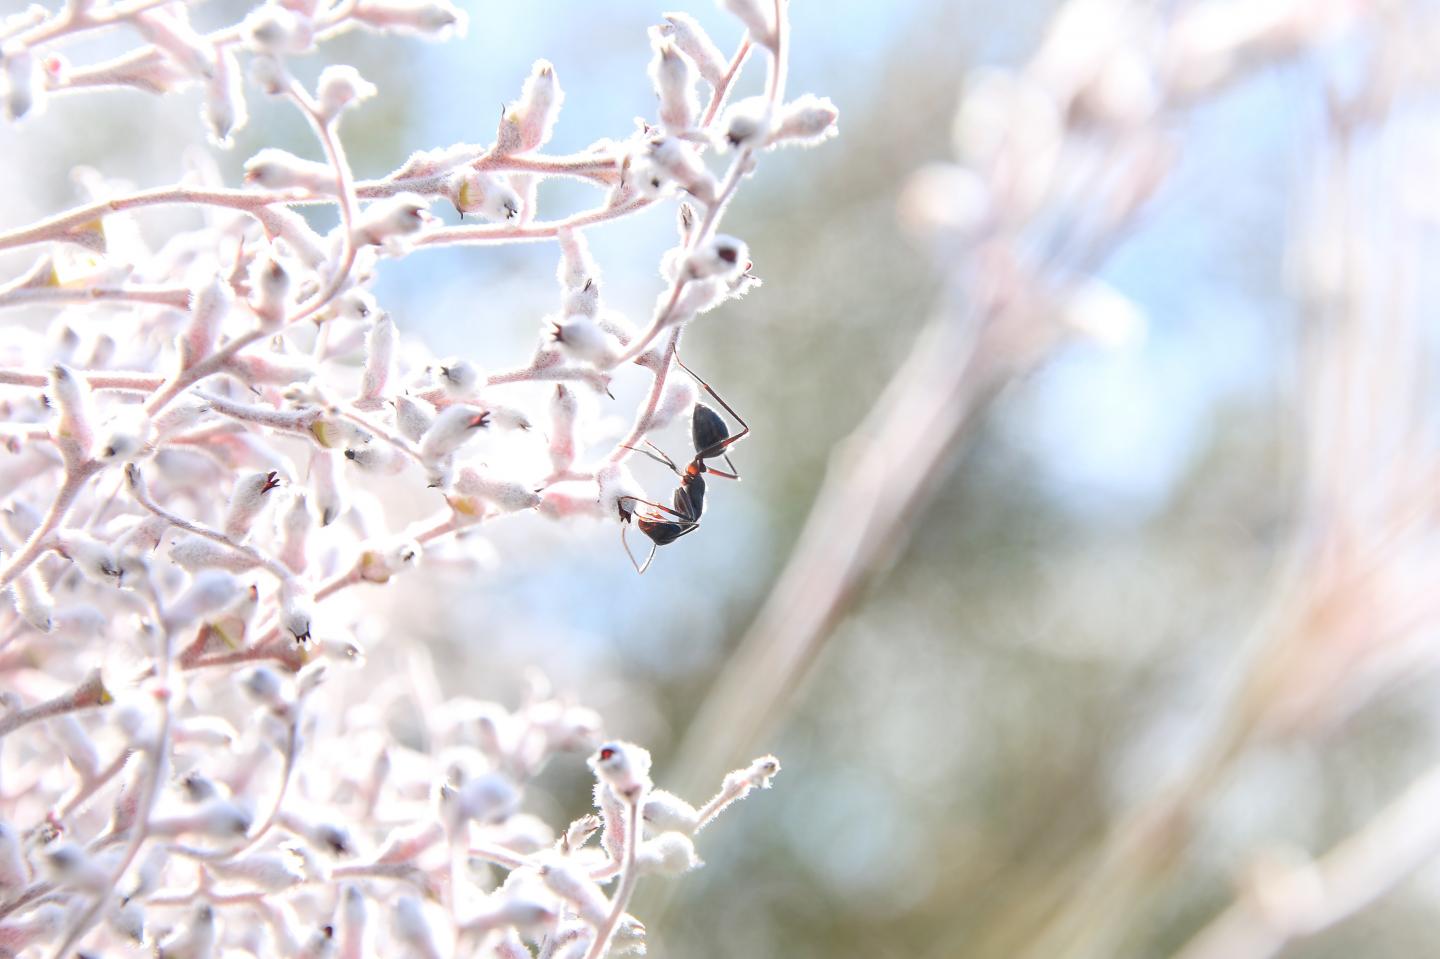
[712, 438]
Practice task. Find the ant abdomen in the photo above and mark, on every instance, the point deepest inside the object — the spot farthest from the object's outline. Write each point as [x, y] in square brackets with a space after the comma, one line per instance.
[707, 428]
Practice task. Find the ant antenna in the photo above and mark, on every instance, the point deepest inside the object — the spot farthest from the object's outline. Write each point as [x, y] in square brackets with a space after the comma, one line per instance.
[639, 567]
[662, 458]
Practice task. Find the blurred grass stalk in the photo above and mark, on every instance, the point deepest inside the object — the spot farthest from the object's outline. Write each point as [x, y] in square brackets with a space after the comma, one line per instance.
[1354, 607]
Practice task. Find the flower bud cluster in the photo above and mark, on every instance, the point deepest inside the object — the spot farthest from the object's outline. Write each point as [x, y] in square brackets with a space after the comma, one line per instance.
[224, 428]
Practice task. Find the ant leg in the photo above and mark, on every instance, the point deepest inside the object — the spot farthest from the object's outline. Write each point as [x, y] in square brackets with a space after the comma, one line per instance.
[744, 426]
[674, 513]
[719, 447]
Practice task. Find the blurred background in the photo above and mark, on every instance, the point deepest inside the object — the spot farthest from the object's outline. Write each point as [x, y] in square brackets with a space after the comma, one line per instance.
[1154, 629]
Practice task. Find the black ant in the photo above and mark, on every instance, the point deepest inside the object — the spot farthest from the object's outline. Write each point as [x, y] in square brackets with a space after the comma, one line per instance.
[711, 438]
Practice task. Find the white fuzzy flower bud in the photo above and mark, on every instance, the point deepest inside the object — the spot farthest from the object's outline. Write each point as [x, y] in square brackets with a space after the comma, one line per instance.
[73, 431]
[577, 267]
[573, 884]
[128, 919]
[270, 282]
[211, 732]
[379, 362]
[194, 940]
[675, 86]
[755, 14]
[677, 400]
[22, 84]
[210, 591]
[617, 491]
[529, 122]
[508, 417]
[295, 528]
[341, 87]
[379, 564]
[354, 916]
[265, 685]
[330, 499]
[488, 798]
[225, 111]
[432, 19]
[452, 429]
[508, 496]
[174, 35]
[806, 121]
[32, 600]
[668, 854]
[392, 218]
[411, 418]
[179, 417]
[246, 502]
[217, 818]
[274, 29]
[68, 864]
[624, 767]
[19, 519]
[486, 195]
[13, 874]
[747, 123]
[276, 169]
[269, 74]
[296, 616]
[666, 812]
[270, 871]
[458, 377]
[95, 559]
[678, 160]
[124, 437]
[583, 339]
[381, 459]
[212, 304]
[412, 929]
[721, 255]
[692, 40]
[524, 904]
[332, 432]
[76, 744]
[581, 301]
[564, 407]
